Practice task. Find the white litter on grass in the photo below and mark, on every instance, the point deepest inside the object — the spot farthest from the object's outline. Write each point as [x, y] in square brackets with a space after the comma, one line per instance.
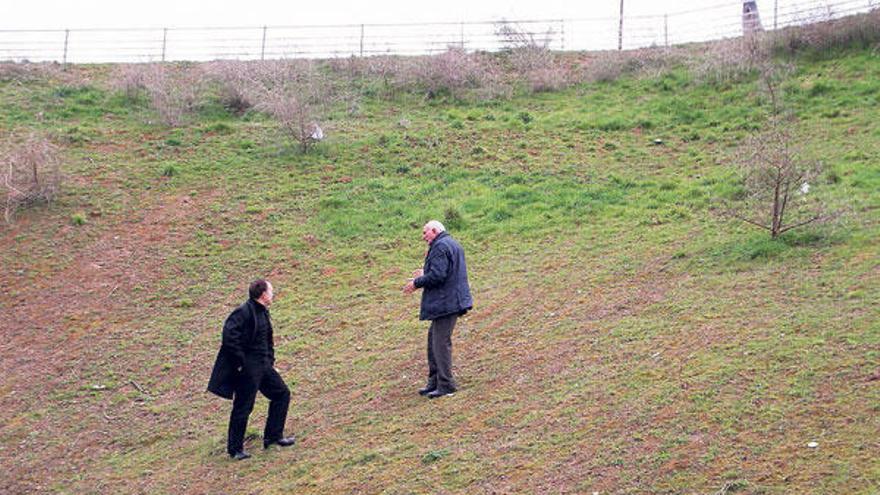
[317, 133]
[813, 445]
[805, 188]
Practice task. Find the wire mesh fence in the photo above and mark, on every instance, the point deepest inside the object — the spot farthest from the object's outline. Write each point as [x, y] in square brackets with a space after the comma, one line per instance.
[708, 22]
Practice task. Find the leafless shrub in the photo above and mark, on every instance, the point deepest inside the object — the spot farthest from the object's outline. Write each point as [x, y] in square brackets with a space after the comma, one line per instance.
[297, 96]
[531, 59]
[610, 66]
[236, 82]
[174, 91]
[31, 173]
[387, 69]
[823, 33]
[454, 72]
[129, 79]
[729, 61]
[22, 72]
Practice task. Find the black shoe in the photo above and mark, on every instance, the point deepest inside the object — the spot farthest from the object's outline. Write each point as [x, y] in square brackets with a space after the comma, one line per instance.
[434, 394]
[426, 390]
[281, 442]
[240, 455]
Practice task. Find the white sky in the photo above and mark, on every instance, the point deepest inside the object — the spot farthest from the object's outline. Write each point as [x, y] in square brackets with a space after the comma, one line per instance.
[61, 14]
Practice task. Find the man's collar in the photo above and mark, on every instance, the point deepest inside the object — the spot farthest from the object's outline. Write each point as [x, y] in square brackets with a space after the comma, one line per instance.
[257, 304]
[439, 236]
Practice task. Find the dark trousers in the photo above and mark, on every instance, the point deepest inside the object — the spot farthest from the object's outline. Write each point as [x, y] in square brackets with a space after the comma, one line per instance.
[440, 353]
[265, 379]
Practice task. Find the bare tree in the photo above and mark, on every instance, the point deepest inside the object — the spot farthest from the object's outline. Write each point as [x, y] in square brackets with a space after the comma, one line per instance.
[31, 173]
[778, 184]
[776, 179]
[297, 95]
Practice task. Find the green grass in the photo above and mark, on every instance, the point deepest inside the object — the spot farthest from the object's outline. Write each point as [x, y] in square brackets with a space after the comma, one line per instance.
[624, 339]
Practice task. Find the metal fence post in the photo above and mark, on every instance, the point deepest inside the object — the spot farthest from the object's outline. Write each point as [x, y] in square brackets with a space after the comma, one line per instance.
[620, 29]
[362, 40]
[263, 44]
[461, 35]
[164, 42]
[666, 30]
[775, 13]
[64, 57]
[562, 31]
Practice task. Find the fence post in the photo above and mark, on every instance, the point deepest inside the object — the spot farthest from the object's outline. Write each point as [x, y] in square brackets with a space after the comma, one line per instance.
[562, 29]
[666, 30]
[362, 41]
[620, 29]
[263, 44]
[775, 13]
[164, 42]
[64, 57]
[461, 35]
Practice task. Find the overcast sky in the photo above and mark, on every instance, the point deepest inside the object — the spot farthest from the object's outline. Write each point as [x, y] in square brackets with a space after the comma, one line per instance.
[55, 14]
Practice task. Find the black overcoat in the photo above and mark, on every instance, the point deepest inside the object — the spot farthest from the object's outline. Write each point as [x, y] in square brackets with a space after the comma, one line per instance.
[238, 332]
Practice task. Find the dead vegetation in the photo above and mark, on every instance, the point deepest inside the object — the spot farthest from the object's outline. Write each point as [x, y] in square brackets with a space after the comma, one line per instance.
[31, 173]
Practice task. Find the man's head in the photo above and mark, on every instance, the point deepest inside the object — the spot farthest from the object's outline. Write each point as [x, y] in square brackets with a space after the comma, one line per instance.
[431, 230]
[261, 291]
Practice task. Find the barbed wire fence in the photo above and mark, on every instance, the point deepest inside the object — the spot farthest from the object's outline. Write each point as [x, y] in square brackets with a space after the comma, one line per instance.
[711, 22]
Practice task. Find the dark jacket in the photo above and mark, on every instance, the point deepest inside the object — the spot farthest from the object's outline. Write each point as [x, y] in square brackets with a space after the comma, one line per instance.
[445, 281]
[242, 348]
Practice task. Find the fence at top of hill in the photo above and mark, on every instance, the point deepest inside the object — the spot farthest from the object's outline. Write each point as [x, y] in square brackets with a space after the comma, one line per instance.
[710, 22]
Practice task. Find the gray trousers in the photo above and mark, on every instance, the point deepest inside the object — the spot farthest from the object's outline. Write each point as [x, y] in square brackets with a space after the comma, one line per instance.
[440, 353]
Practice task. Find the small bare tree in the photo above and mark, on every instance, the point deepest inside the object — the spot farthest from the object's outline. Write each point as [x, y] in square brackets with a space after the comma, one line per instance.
[776, 179]
[31, 173]
[297, 96]
[777, 184]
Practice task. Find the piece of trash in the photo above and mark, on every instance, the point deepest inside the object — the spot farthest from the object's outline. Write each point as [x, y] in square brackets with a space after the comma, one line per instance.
[813, 445]
[805, 188]
[658, 142]
[98, 386]
[317, 133]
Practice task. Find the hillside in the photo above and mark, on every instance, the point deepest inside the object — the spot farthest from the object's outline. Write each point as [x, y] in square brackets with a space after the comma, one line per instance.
[624, 338]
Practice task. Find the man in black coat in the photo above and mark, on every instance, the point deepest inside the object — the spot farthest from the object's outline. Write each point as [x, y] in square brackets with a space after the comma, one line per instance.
[244, 365]
[445, 296]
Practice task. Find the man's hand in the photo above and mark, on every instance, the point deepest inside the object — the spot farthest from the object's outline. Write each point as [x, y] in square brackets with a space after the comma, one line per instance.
[418, 273]
[410, 287]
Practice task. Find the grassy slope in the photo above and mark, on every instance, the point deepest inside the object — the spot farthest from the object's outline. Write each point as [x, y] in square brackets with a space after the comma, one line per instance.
[623, 340]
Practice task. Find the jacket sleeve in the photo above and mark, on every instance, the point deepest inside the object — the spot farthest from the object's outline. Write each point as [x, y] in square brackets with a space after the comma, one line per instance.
[234, 335]
[436, 269]
[271, 340]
